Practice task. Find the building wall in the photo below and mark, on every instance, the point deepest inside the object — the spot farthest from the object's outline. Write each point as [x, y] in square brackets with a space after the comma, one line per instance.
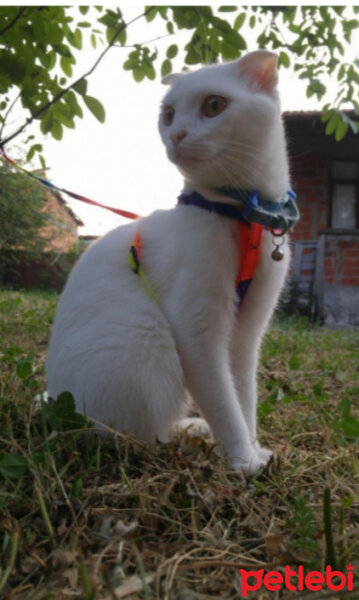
[61, 231]
[310, 180]
[50, 269]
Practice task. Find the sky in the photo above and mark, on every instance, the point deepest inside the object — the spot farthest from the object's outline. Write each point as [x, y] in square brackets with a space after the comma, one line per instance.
[122, 162]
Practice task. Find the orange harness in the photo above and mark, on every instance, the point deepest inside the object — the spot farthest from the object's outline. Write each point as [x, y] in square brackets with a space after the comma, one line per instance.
[250, 238]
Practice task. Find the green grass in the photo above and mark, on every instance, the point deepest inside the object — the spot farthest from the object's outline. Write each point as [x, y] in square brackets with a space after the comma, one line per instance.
[87, 517]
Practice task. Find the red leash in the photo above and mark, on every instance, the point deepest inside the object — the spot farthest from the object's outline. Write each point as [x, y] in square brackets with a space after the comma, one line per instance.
[123, 213]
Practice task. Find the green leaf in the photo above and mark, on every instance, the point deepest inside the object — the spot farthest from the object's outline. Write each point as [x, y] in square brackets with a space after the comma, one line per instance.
[61, 413]
[12, 466]
[78, 39]
[80, 87]
[44, 58]
[228, 8]
[222, 26]
[162, 11]
[31, 152]
[63, 116]
[341, 130]
[46, 122]
[193, 57]
[71, 100]
[24, 369]
[130, 64]
[350, 427]
[151, 14]
[56, 130]
[95, 107]
[122, 37]
[75, 38]
[55, 33]
[332, 123]
[229, 52]
[327, 112]
[63, 50]
[166, 67]
[116, 35]
[172, 51]
[109, 19]
[52, 60]
[239, 21]
[236, 40]
[148, 70]
[345, 407]
[110, 35]
[42, 162]
[138, 74]
[284, 59]
[66, 65]
[84, 9]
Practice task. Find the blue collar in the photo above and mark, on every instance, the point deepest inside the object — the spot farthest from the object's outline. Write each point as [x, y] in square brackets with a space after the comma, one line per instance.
[252, 208]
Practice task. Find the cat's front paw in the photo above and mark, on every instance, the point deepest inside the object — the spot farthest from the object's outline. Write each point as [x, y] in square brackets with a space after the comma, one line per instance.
[264, 453]
[251, 466]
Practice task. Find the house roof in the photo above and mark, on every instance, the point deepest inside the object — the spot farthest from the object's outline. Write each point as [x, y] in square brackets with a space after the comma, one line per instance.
[310, 114]
[301, 114]
[61, 201]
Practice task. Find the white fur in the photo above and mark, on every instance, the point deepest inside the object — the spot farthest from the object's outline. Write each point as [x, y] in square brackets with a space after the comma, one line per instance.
[132, 363]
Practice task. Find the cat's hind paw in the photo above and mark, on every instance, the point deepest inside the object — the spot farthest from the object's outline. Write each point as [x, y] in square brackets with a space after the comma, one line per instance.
[192, 427]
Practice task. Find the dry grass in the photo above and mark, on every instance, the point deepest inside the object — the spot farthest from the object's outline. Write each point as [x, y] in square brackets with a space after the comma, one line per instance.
[82, 517]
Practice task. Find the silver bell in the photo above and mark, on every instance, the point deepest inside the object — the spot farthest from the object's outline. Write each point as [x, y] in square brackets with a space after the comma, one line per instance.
[277, 253]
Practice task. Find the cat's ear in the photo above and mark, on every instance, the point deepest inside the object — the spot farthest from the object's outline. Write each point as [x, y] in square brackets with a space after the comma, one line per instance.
[169, 79]
[260, 69]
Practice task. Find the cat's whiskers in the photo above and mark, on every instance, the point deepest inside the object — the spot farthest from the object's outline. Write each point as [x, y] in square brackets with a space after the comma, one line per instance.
[229, 176]
[243, 153]
[238, 177]
[241, 145]
[233, 163]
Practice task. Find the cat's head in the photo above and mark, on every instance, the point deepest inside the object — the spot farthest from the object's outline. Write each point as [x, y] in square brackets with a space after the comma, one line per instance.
[221, 124]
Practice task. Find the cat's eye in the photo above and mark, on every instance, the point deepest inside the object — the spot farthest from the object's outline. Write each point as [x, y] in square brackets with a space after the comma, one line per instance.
[213, 106]
[168, 115]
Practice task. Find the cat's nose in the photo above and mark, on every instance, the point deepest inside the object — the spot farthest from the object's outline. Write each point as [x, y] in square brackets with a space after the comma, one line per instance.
[178, 136]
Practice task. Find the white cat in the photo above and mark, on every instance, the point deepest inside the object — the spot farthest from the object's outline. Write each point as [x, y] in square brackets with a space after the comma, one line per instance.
[131, 348]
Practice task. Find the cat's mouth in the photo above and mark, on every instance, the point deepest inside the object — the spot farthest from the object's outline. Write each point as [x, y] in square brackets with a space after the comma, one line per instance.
[192, 157]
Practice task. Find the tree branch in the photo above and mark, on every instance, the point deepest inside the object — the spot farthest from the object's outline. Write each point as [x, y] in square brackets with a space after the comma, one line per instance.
[69, 87]
[15, 19]
[160, 37]
[3, 124]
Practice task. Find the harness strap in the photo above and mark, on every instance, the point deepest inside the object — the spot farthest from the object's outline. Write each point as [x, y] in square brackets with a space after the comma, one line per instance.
[250, 240]
[134, 262]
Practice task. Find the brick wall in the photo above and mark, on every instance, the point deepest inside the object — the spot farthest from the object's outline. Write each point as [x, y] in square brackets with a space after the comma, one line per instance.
[342, 260]
[310, 180]
[309, 177]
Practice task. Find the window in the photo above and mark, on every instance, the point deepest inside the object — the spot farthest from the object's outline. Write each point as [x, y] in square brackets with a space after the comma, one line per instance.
[345, 195]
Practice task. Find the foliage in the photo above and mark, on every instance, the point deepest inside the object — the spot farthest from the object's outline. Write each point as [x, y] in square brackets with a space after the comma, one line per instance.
[39, 44]
[21, 216]
[109, 516]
